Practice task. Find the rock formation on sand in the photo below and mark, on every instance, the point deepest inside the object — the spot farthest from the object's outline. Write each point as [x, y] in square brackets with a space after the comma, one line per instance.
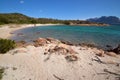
[51, 59]
[57, 47]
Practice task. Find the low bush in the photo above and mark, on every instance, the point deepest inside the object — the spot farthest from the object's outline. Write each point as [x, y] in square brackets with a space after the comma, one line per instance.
[1, 73]
[6, 45]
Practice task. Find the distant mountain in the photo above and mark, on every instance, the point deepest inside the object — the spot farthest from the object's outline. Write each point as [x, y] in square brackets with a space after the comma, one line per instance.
[112, 20]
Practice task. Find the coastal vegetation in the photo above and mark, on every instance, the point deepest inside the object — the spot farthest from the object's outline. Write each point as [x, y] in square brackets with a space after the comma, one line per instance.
[6, 45]
[18, 18]
[1, 73]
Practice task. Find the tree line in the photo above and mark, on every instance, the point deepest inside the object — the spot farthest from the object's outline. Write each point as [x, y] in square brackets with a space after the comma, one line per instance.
[18, 18]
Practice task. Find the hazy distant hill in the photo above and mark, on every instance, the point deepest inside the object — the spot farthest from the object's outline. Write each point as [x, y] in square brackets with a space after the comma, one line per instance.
[113, 20]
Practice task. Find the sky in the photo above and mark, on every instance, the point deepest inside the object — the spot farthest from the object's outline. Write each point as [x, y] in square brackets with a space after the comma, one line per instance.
[62, 9]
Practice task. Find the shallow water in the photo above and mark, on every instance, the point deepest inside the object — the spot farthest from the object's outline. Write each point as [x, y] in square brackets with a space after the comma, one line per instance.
[100, 36]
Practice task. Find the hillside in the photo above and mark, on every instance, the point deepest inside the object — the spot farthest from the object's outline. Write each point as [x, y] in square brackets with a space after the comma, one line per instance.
[113, 20]
[14, 18]
[17, 18]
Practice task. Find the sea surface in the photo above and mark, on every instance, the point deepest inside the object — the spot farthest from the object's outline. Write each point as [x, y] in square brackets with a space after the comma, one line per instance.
[100, 36]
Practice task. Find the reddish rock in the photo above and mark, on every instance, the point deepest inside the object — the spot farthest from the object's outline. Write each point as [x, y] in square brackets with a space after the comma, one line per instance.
[40, 42]
[62, 49]
[67, 48]
[101, 53]
[111, 54]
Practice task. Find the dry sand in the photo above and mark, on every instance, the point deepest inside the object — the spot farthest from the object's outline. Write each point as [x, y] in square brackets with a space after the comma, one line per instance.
[31, 63]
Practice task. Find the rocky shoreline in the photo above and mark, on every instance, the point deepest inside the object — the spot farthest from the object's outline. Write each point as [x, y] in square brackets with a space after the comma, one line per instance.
[48, 58]
[48, 40]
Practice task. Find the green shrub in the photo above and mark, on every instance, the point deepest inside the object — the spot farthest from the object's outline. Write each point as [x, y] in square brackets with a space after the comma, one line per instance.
[6, 45]
[1, 73]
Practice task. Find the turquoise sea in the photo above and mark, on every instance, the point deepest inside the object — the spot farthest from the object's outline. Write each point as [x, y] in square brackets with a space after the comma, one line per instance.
[100, 36]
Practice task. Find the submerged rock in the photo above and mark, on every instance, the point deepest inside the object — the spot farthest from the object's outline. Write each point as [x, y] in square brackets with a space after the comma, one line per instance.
[20, 34]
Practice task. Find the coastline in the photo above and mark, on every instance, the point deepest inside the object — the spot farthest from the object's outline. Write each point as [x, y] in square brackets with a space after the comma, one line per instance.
[49, 58]
[90, 25]
[7, 29]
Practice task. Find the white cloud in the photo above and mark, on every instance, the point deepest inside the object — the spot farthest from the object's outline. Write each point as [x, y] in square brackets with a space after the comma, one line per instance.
[21, 2]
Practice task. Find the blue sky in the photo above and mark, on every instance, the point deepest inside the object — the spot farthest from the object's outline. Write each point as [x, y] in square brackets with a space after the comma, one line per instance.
[62, 9]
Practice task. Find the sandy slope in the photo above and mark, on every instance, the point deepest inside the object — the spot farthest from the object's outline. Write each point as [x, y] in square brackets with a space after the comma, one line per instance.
[30, 63]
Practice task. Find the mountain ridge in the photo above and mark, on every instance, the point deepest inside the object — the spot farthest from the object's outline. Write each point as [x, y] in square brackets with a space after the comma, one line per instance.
[112, 20]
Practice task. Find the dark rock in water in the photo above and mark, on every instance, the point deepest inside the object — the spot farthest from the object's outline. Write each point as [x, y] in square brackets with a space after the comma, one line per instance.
[20, 34]
[87, 44]
[117, 49]
[67, 42]
[37, 32]
[109, 47]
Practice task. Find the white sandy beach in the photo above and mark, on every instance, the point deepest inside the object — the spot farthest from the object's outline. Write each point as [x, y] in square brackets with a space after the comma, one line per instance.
[43, 63]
